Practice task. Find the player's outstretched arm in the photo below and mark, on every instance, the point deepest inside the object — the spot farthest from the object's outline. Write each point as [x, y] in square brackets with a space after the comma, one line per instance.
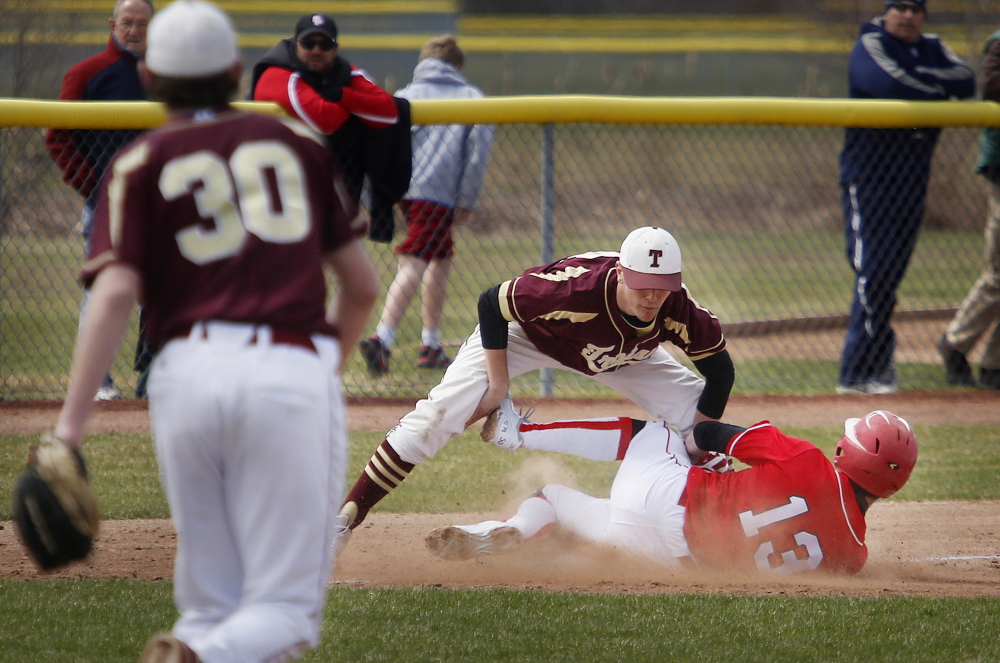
[493, 332]
[112, 297]
[357, 294]
[499, 384]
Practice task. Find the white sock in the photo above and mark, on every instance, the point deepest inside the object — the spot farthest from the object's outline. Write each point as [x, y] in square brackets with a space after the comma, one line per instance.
[431, 339]
[596, 439]
[534, 515]
[386, 334]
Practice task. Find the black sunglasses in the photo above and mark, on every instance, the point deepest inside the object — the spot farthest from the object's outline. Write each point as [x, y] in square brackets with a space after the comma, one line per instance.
[325, 45]
[903, 7]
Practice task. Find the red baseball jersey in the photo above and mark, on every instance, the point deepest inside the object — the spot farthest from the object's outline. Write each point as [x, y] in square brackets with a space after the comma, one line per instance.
[568, 309]
[363, 98]
[790, 511]
[226, 216]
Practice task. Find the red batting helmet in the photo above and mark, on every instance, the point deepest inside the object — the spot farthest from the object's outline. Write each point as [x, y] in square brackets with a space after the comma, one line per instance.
[877, 452]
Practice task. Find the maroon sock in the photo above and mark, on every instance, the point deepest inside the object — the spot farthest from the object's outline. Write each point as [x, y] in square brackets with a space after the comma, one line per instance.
[384, 472]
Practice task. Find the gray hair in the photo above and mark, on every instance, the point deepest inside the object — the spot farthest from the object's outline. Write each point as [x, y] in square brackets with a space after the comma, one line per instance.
[119, 3]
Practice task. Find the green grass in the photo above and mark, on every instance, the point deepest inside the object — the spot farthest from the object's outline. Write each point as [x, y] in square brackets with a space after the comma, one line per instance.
[956, 462]
[125, 476]
[109, 620]
[81, 620]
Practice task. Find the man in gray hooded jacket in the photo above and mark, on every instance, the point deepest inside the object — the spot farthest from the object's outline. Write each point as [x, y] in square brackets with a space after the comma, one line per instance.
[449, 162]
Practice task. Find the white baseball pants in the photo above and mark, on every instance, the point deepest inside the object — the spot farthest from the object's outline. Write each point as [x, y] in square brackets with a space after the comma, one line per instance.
[251, 444]
[660, 385]
[642, 515]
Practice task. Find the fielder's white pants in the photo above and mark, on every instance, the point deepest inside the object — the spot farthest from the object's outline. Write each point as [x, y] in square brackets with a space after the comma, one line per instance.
[251, 444]
[660, 385]
[643, 515]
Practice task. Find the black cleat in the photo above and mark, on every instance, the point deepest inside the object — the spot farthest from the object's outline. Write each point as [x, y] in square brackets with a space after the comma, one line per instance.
[956, 366]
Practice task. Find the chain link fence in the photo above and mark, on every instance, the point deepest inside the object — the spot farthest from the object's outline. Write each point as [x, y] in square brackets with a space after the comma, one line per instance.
[756, 209]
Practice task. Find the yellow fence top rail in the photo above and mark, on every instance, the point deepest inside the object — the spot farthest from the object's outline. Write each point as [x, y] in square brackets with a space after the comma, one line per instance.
[707, 110]
[601, 109]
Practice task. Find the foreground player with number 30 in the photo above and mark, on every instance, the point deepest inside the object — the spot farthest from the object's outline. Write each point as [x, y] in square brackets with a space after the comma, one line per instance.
[222, 222]
[790, 511]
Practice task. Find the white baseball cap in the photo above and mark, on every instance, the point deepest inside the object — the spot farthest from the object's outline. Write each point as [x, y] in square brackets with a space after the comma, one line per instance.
[190, 39]
[651, 260]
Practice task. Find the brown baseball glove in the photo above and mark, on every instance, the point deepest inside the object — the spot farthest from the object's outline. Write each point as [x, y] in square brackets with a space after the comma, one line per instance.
[54, 507]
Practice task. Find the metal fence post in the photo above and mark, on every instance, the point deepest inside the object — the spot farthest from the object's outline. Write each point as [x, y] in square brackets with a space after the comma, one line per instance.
[547, 380]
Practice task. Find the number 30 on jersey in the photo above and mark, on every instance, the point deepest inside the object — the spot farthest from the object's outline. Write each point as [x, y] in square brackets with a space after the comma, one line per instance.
[272, 202]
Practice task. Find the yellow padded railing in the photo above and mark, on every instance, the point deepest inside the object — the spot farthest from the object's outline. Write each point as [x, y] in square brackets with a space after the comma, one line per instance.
[601, 109]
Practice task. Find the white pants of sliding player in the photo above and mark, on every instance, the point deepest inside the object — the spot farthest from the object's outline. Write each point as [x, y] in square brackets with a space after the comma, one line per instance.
[642, 515]
[660, 385]
[251, 444]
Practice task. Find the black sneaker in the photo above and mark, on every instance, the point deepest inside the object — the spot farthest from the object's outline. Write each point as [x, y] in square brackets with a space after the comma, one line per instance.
[433, 358]
[956, 366]
[989, 378]
[376, 356]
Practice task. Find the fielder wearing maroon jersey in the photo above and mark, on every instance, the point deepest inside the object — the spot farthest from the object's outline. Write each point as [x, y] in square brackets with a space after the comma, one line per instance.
[224, 223]
[790, 511]
[569, 308]
[263, 195]
[599, 314]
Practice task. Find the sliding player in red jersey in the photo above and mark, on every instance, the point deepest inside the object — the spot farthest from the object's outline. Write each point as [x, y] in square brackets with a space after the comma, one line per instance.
[791, 510]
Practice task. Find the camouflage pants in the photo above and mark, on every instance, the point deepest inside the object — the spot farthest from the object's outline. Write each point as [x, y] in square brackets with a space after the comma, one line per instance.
[981, 308]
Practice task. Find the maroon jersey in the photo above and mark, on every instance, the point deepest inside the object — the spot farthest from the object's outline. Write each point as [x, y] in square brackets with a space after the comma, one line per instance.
[568, 309]
[789, 511]
[226, 216]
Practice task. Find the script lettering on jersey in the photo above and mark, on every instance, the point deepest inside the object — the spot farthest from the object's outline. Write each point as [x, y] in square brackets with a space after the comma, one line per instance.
[600, 359]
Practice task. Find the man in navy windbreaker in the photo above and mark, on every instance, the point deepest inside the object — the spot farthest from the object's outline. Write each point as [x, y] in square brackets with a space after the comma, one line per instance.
[884, 175]
[83, 154]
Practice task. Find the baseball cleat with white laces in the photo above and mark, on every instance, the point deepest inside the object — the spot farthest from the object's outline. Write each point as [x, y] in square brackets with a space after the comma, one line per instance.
[502, 427]
[460, 542]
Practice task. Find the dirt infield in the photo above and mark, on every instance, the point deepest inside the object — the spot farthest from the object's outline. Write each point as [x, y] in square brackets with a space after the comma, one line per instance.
[916, 548]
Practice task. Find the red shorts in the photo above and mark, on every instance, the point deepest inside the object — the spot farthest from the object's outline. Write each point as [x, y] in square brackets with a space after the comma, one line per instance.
[428, 230]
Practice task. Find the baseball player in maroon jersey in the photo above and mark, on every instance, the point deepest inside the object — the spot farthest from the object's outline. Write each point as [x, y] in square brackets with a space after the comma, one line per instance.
[222, 222]
[600, 314]
[791, 510]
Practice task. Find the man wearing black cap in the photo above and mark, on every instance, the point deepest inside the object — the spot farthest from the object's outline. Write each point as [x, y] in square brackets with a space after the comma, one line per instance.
[884, 175]
[306, 77]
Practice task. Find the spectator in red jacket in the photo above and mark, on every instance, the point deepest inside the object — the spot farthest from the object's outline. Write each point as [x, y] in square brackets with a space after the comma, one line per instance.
[306, 76]
[82, 154]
